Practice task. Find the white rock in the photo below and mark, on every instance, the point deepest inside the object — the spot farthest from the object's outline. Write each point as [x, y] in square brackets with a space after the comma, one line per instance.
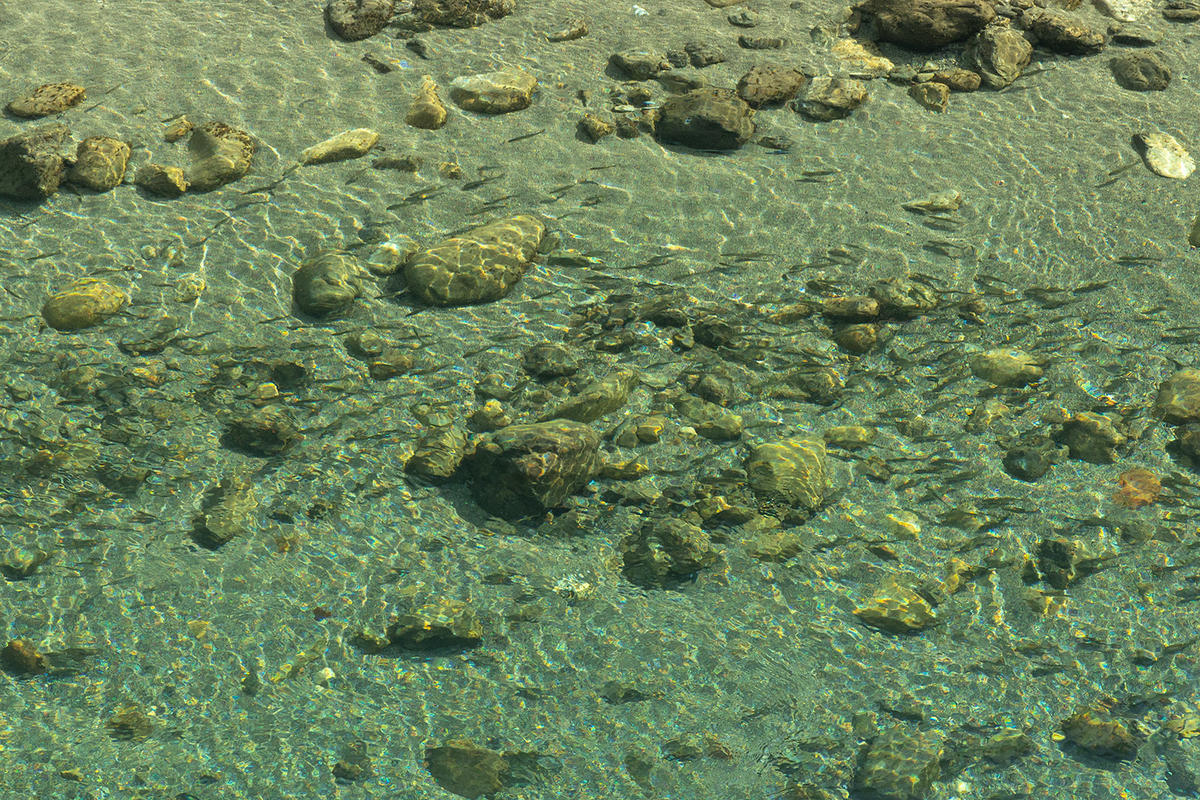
[1164, 155]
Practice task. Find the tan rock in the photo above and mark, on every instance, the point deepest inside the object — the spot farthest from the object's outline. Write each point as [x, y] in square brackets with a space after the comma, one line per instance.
[499, 92]
[100, 163]
[161, 180]
[83, 304]
[427, 110]
[346, 145]
[50, 98]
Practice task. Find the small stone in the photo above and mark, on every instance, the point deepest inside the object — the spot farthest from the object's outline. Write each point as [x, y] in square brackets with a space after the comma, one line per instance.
[943, 202]
[1062, 34]
[1032, 459]
[21, 656]
[769, 84]
[575, 29]
[529, 468]
[721, 428]
[461, 13]
[665, 552]
[327, 284]
[702, 54]
[178, 129]
[346, 145]
[466, 769]
[1137, 487]
[437, 625]
[490, 416]
[639, 65]
[829, 98]
[1182, 11]
[547, 360]
[999, 55]
[50, 98]
[1099, 733]
[1178, 399]
[900, 765]
[220, 154]
[791, 471]
[353, 20]
[849, 437]
[863, 59]
[1141, 72]
[1092, 437]
[706, 119]
[130, 724]
[896, 609]
[595, 128]
[100, 163]
[478, 266]
[161, 180]
[83, 304]
[857, 339]
[499, 92]
[932, 95]
[600, 398]
[31, 166]
[1007, 367]
[1165, 155]
[438, 453]
[959, 80]
[225, 513]
[263, 432]
[427, 110]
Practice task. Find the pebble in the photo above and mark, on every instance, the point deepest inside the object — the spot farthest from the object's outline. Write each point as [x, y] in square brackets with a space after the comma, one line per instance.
[342, 147]
[427, 110]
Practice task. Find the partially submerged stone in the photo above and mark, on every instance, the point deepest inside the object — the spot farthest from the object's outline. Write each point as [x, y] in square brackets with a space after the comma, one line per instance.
[84, 304]
[829, 98]
[478, 266]
[47, 99]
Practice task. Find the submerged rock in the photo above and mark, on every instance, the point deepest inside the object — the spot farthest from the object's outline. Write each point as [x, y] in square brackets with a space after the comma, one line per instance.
[928, 24]
[346, 145]
[461, 13]
[47, 99]
[830, 99]
[899, 765]
[327, 284]
[220, 154]
[499, 92]
[1165, 155]
[665, 552]
[100, 163]
[83, 304]
[465, 769]
[706, 119]
[478, 266]
[791, 471]
[527, 469]
[443, 623]
[31, 166]
[353, 20]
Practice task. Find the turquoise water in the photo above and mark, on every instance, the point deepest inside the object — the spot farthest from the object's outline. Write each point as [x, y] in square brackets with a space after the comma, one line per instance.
[760, 665]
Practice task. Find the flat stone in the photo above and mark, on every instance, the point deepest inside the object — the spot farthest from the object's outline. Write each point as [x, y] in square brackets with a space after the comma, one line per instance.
[478, 266]
[220, 154]
[499, 92]
[1142, 72]
[346, 145]
[50, 98]
[706, 119]
[161, 180]
[461, 13]
[928, 24]
[353, 20]
[831, 98]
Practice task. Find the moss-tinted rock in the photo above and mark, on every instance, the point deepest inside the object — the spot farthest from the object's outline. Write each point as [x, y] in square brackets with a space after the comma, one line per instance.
[353, 20]
[895, 608]
[1098, 732]
[667, 551]
[526, 469]
[438, 454]
[83, 304]
[226, 513]
[100, 163]
[706, 119]
[50, 98]
[437, 625]
[220, 154]
[461, 13]
[791, 471]
[263, 432]
[899, 765]
[1179, 397]
[466, 769]
[478, 266]
[327, 284]
[31, 167]
[600, 398]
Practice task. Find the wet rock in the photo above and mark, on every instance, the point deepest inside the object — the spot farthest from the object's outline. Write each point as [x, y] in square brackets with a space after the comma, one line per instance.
[1061, 34]
[1182, 11]
[263, 432]
[862, 58]
[1092, 437]
[598, 399]
[500, 92]
[83, 304]
[1136, 488]
[326, 285]
[1101, 734]
[829, 98]
[702, 54]
[722, 427]
[706, 119]
[959, 80]
[547, 360]
[769, 84]
[527, 469]
[819, 385]
[639, 65]
[745, 18]
[21, 657]
[1033, 458]
[355, 763]
[491, 416]
[389, 364]
[427, 110]
[1062, 562]
[928, 24]
[461, 13]
[31, 166]
[595, 128]
[435, 626]
[220, 154]
[100, 163]
[999, 54]
[1178, 399]
[899, 764]
[1141, 72]
[50, 98]
[346, 145]
[932, 95]
[178, 128]
[161, 180]
[946, 201]
[226, 512]
[895, 608]
[857, 339]
[1007, 367]
[130, 724]
[438, 453]
[791, 471]
[665, 552]
[1187, 440]
[353, 20]
[465, 769]
[478, 266]
[849, 437]
[575, 29]
[1164, 155]
[901, 298]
